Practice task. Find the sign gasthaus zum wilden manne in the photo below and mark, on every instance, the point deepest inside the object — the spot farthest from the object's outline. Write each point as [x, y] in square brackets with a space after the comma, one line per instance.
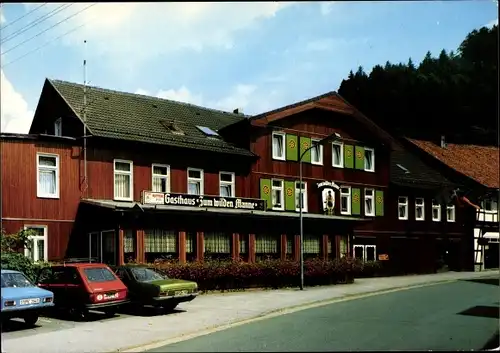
[168, 198]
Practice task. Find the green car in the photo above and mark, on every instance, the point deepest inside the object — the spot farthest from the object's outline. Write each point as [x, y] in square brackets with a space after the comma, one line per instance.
[148, 287]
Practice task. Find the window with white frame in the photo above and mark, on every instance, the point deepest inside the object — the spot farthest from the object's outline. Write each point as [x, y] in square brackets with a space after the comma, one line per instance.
[436, 211]
[403, 207]
[47, 175]
[226, 184]
[123, 180]
[365, 252]
[419, 209]
[369, 159]
[161, 178]
[58, 127]
[277, 194]
[369, 204]
[195, 181]
[297, 196]
[345, 200]
[316, 152]
[279, 146]
[489, 205]
[450, 213]
[337, 154]
[37, 244]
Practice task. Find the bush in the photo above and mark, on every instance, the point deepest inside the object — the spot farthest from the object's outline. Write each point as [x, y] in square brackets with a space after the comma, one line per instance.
[224, 275]
[18, 262]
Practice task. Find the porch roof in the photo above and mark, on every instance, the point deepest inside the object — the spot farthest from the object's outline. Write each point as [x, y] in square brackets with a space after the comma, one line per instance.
[127, 205]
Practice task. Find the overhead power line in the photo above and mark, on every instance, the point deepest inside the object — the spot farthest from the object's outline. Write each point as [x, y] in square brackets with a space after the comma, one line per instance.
[45, 30]
[35, 22]
[23, 16]
[43, 45]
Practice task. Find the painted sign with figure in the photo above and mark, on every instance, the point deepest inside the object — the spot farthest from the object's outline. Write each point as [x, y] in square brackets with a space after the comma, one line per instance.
[328, 196]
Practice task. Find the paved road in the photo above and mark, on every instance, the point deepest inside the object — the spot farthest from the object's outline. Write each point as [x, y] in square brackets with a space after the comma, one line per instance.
[451, 316]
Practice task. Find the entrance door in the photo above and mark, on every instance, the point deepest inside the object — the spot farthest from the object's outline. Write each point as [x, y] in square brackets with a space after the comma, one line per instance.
[95, 247]
[109, 247]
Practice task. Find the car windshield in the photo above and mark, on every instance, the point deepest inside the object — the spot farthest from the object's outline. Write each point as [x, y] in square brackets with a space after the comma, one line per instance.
[146, 274]
[99, 274]
[16, 280]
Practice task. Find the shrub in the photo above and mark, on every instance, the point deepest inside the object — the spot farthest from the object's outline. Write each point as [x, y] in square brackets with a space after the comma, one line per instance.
[18, 262]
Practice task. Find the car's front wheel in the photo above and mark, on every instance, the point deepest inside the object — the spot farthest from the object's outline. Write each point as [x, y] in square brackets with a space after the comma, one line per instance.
[30, 319]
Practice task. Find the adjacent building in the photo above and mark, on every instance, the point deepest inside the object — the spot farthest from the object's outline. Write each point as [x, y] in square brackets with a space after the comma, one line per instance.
[117, 177]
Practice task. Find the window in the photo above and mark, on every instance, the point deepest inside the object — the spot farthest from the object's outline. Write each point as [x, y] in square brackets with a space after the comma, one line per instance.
[345, 200]
[369, 209]
[217, 243]
[403, 207]
[267, 246]
[47, 176]
[208, 131]
[369, 159]
[419, 209]
[489, 205]
[195, 181]
[316, 152]
[311, 246]
[450, 213]
[123, 171]
[161, 178]
[365, 252]
[277, 195]
[436, 211]
[160, 241]
[171, 127]
[278, 146]
[58, 127]
[226, 184]
[37, 247]
[337, 155]
[297, 196]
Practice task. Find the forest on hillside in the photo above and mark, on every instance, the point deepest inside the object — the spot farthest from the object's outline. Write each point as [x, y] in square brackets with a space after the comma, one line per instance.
[454, 94]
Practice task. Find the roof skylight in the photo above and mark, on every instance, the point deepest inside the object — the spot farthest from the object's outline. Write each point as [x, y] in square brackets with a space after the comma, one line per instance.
[207, 131]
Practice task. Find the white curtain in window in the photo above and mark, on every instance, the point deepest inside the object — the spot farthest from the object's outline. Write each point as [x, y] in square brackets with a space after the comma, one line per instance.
[217, 242]
[194, 188]
[128, 241]
[278, 145]
[47, 181]
[225, 191]
[266, 244]
[122, 185]
[160, 241]
[312, 244]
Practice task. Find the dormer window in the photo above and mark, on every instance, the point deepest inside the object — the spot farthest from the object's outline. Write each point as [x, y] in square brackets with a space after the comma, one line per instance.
[171, 127]
[58, 127]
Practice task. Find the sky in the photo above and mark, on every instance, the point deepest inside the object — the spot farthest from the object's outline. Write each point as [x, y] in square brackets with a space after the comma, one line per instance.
[255, 56]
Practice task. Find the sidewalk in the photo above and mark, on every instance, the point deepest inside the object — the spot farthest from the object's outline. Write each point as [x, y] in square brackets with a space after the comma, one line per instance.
[207, 311]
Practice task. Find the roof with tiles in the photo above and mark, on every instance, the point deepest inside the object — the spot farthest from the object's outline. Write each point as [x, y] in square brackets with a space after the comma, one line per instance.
[480, 163]
[135, 117]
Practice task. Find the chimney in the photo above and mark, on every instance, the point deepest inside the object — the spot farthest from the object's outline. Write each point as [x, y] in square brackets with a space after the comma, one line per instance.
[443, 142]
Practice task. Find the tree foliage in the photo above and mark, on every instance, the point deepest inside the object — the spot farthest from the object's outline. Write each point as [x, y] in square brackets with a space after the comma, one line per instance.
[12, 257]
[455, 93]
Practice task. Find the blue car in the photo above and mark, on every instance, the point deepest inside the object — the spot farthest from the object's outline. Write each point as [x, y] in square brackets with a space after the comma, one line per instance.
[22, 299]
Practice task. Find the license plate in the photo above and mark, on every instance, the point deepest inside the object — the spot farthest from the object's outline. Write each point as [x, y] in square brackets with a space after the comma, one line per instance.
[180, 292]
[110, 295]
[29, 301]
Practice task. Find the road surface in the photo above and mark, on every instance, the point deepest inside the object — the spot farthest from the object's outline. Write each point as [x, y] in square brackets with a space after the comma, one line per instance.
[461, 315]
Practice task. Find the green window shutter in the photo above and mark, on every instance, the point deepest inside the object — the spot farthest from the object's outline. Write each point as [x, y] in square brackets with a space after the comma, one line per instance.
[348, 156]
[265, 191]
[305, 143]
[292, 150]
[360, 157]
[356, 201]
[289, 196]
[379, 203]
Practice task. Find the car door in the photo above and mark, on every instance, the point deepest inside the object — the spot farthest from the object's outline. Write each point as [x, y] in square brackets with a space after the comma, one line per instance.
[76, 293]
[124, 276]
[50, 279]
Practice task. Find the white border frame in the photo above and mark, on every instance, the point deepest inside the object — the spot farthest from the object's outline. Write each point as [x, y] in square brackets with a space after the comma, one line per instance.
[45, 238]
[304, 194]
[452, 207]
[372, 150]
[349, 208]
[56, 168]
[153, 175]
[436, 206]
[341, 145]
[282, 208]
[283, 135]
[372, 197]
[131, 174]
[406, 204]
[314, 140]
[423, 209]
[56, 123]
[201, 179]
[232, 183]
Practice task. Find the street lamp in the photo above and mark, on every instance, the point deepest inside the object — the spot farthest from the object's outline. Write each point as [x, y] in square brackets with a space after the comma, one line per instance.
[331, 137]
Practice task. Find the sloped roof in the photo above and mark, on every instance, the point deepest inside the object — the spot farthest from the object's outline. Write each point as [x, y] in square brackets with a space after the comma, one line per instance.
[480, 163]
[127, 116]
[407, 169]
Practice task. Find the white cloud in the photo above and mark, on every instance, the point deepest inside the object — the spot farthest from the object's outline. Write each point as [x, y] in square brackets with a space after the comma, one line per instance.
[492, 23]
[241, 96]
[143, 30]
[15, 114]
[326, 7]
[2, 18]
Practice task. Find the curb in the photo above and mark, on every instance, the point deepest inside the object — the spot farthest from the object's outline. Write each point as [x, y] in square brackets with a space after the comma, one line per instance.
[273, 313]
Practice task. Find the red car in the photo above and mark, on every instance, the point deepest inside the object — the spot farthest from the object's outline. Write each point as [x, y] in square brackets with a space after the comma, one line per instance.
[80, 287]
